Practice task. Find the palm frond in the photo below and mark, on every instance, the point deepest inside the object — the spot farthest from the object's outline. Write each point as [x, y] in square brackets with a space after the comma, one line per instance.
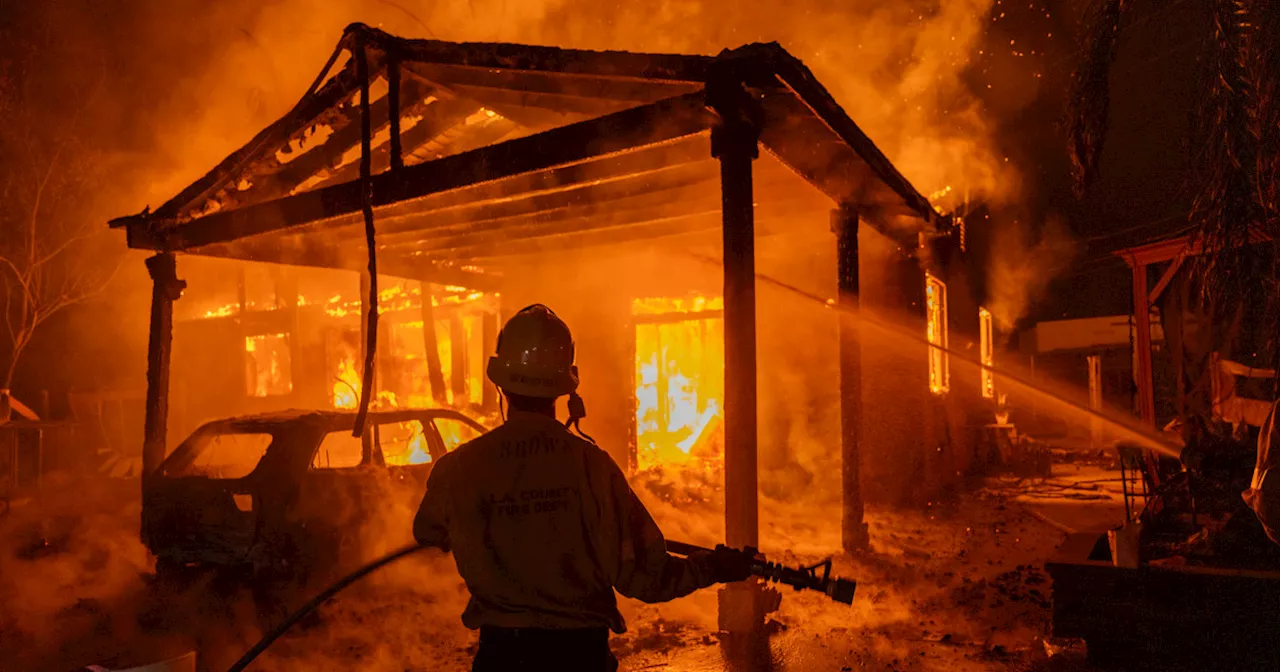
[1225, 209]
[1089, 98]
[1264, 68]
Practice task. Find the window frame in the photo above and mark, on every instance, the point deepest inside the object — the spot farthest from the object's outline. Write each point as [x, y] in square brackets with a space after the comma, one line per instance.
[935, 291]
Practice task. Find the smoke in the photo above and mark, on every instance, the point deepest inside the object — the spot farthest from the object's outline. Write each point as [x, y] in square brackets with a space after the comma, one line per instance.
[897, 67]
[174, 102]
[1023, 263]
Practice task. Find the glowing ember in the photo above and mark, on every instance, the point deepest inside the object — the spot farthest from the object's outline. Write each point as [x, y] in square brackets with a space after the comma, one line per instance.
[938, 195]
[679, 377]
[936, 329]
[987, 351]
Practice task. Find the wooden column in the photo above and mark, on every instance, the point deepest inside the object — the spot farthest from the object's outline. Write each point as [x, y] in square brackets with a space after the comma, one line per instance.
[393, 108]
[853, 529]
[371, 381]
[435, 373]
[166, 288]
[1095, 398]
[489, 343]
[1142, 345]
[458, 355]
[735, 144]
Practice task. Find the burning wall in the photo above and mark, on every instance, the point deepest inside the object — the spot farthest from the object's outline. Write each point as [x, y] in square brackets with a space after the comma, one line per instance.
[253, 337]
[650, 335]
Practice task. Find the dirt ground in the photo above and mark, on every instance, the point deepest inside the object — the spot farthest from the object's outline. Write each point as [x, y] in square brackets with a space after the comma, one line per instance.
[956, 587]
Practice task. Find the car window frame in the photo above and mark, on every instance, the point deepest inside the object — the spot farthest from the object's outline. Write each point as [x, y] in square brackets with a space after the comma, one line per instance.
[184, 455]
[367, 458]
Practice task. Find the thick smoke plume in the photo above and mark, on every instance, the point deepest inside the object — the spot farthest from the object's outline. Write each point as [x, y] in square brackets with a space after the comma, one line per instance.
[1023, 263]
[896, 67]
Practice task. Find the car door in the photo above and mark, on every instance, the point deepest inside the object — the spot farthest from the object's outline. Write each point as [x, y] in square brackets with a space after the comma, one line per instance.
[408, 448]
[202, 506]
[339, 494]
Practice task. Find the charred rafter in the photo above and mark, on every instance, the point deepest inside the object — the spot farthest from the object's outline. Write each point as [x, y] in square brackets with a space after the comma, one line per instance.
[415, 99]
[663, 121]
[692, 215]
[622, 166]
[674, 182]
[700, 227]
[325, 107]
[306, 251]
[643, 201]
[629, 92]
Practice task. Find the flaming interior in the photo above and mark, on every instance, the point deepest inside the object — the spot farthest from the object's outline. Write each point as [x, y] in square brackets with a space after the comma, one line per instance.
[987, 351]
[267, 365]
[679, 378]
[936, 328]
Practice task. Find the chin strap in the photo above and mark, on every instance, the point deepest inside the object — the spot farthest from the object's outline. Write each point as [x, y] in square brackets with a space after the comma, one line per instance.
[577, 411]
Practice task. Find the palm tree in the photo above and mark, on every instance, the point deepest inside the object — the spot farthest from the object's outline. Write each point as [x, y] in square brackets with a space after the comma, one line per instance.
[1236, 146]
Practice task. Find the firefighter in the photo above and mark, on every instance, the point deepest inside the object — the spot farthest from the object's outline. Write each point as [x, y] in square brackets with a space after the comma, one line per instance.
[543, 525]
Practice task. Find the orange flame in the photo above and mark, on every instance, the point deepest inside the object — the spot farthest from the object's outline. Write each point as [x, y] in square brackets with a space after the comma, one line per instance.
[936, 329]
[679, 378]
[987, 350]
[346, 389]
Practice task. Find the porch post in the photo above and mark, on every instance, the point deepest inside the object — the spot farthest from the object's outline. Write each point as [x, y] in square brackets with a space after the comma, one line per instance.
[1142, 344]
[1095, 398]
[735, 142]
[489, 343]
[458, 358]
[853, 529]
[431, 348]
[166, 288]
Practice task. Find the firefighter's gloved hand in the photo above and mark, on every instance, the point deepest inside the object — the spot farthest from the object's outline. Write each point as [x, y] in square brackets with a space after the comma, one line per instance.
[726, 565]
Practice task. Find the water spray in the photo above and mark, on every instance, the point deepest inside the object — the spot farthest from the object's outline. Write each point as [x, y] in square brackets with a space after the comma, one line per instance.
[1146, 437]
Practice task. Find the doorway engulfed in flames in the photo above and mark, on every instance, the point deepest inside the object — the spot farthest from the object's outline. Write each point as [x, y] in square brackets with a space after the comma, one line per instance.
[679, 379]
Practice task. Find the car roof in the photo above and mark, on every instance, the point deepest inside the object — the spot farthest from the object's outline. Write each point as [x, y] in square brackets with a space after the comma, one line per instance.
[328, 420]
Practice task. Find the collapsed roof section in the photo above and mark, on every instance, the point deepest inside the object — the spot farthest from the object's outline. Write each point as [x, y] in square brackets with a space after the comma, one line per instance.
[484, 151]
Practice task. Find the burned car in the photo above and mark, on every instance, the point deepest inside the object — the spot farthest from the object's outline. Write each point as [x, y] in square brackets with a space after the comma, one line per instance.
[293, 495]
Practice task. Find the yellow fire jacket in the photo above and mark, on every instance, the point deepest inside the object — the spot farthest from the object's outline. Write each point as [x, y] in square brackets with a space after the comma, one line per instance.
[543, 527]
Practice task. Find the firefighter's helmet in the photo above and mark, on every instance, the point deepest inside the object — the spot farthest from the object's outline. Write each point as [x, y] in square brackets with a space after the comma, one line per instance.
[534, 357]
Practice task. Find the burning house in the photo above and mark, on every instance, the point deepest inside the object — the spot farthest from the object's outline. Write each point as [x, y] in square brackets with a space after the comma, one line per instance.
[733, 307]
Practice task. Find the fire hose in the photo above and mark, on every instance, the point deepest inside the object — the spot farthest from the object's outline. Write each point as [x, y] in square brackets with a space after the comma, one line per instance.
[800, 578]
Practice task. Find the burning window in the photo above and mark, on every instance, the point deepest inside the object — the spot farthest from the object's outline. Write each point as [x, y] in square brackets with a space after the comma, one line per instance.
[936, 326]
[268, 369]
[987, 351]
[454, 432]
[679, 377]
[346, 384]
[404, 443]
